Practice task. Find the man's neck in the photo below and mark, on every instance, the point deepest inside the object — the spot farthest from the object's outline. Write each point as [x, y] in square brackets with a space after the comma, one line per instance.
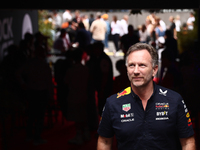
[144, 93]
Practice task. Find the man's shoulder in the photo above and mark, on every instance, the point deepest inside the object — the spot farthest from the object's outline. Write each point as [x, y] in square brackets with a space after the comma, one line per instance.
[97, 21]
[119, 96]
[167, 93]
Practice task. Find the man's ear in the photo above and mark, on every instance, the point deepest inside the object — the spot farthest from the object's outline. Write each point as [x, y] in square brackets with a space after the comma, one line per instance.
[155, 70]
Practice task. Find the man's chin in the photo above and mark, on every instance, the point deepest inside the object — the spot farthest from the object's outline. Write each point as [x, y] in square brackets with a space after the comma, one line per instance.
[137, 84]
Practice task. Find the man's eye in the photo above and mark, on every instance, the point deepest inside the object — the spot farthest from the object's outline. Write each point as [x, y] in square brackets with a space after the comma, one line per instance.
[142, 65]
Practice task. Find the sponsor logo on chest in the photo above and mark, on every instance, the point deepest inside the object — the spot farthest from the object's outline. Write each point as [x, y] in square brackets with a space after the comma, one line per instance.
[127, 117]
[162, 106]
[162, 115]
[126, 107]
[162, 111]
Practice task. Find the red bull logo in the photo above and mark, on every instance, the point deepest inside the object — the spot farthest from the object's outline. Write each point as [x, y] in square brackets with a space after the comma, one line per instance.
[189, 119]
[189, 122]
[162, 106]
[166, 106]
[188, 115]
[124, 92]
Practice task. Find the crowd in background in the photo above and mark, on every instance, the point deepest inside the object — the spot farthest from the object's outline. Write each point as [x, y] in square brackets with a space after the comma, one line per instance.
[86, 73]
[148, 32]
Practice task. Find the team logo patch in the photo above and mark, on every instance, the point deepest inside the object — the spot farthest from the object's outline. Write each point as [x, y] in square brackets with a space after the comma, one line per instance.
[126, 107]
[162, 115]
[124, 92]
[189, 119]
[189, 122]
[160, 106]
[164, 93]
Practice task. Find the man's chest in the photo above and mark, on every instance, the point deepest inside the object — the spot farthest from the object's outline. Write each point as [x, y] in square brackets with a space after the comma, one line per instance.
[130, 117]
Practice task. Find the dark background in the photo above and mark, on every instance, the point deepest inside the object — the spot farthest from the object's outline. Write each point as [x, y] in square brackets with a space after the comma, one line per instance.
[15, 17]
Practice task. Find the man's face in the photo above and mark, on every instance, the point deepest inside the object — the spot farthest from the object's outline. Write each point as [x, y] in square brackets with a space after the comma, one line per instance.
[139, 68]
[171, 19]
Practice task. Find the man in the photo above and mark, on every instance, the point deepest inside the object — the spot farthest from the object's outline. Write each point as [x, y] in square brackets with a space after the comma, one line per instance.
[128, 39]
[57, 20]
[62, 43]
[91, 19]
[170, 73]
[190, 21]
[83, 37]
[98, 29]
[124, 25]
[145, 115]
[77, 18]
[162, 24]
[67, 15]
[101, 72]
[172, 27]
[177, 22]
[35, 79]
[108, 29]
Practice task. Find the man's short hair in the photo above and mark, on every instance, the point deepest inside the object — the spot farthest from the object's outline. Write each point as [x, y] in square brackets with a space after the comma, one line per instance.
[98, 14]
[149, 48]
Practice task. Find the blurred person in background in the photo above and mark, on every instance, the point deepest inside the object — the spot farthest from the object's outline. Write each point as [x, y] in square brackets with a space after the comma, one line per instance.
[62, 43]
[67, 15]
[190, 21]
[105, 18]
[83, 37]
[129, 39]
[57, 20]
[124, 25]
[98, 29]
[77, 18]
[178, 23]
[172, 27]
[35, 78]
[77, 79]
[143, 34]
[85, 21]
[115, 32]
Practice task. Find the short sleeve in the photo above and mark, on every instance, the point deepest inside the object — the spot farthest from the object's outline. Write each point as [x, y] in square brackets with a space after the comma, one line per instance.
[184, 122]
[105, 127]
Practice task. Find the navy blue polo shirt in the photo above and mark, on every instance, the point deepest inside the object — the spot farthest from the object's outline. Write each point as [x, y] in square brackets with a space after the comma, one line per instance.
[165, 120]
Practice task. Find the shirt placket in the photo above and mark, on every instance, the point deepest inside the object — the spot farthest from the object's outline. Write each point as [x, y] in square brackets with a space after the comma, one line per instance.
[145, 126]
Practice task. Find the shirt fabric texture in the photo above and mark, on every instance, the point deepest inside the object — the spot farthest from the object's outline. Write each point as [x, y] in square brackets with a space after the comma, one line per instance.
[165, 120]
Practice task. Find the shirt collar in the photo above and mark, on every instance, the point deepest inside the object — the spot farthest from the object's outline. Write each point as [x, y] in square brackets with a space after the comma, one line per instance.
[136, 97]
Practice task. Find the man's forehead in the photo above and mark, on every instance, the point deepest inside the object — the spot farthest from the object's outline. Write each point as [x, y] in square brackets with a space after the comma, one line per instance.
[140, 52]
[143, 54]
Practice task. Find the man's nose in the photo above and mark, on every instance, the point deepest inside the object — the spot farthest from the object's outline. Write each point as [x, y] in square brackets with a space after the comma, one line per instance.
[136, 69]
